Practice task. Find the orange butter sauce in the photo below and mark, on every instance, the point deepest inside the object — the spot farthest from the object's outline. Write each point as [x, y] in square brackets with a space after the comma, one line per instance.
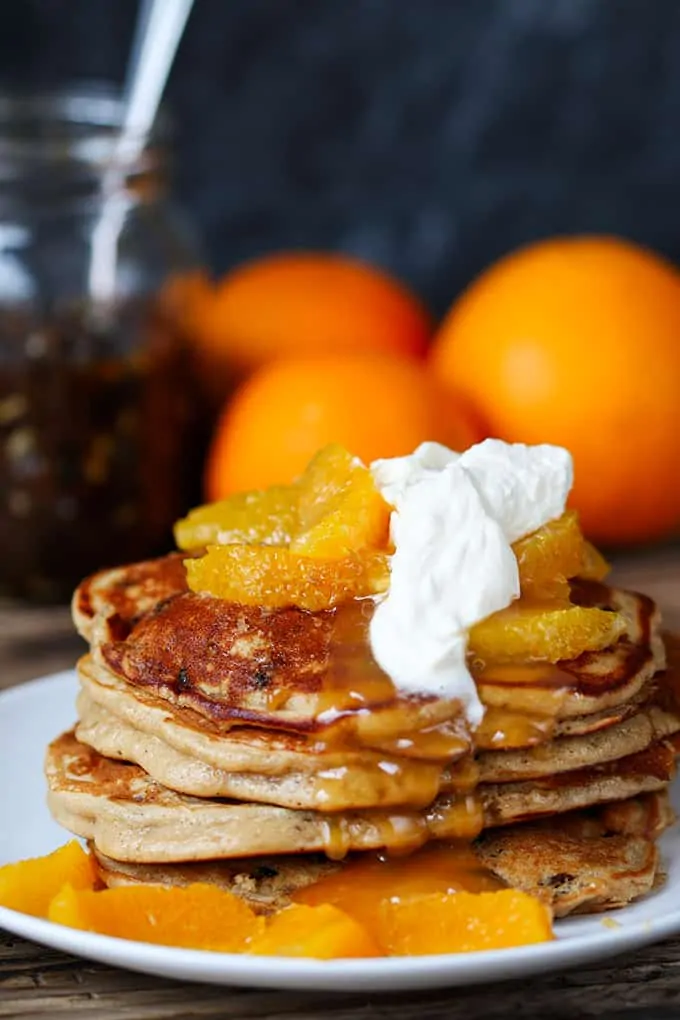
[365, 881]
[421, 744]
[360, 705]
[522, 704]
[428, 757]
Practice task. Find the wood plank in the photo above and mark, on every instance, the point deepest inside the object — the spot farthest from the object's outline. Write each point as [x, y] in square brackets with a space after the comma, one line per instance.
[40, 982]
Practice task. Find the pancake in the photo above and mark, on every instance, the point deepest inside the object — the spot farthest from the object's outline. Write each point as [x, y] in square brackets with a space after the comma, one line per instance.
[192, 733]
[250, 749]
[383, 783]
[572, 875]
[648, 815]
[281, 669]
[567, 754]
[588, 862]
[126, 593]
[581, 725]
[594, 682]
[263, 750]
[281, 769]
[176, 748]
[266, 883]
[131, 817]
[647, 771]
[287, 669]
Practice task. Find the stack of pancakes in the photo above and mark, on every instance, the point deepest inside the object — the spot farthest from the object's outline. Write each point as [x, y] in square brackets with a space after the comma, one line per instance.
[263, 749]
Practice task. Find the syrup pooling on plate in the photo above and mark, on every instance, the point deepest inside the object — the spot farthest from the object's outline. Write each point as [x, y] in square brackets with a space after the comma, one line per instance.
[365, 881]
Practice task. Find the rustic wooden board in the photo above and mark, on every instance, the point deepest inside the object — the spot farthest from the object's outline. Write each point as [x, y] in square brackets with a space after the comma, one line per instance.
[39, 982]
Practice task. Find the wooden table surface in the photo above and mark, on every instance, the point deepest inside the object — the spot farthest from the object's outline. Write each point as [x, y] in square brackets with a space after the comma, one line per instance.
[38, 982]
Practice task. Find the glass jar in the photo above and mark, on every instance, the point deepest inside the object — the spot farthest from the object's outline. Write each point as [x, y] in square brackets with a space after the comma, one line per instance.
[96, 393]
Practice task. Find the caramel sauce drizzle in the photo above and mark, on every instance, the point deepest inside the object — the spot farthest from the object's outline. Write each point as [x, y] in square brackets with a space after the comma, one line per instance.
[427, 746]
[403, 831]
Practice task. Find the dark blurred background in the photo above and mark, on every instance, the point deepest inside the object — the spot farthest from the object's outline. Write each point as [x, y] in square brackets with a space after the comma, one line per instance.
[429, 136]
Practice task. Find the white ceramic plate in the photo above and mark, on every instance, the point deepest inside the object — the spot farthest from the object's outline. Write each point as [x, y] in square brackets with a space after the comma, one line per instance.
[31, 715]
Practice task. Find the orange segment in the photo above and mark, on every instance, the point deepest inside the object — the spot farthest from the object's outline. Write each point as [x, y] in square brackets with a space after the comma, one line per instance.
[323, 932]
[462, 922]
[550, 555]
[555, 552]
[340, 509]
[29, 885]
[594, 566]
[266, 515]
[549, 631]
[194, 917]
[269, 576]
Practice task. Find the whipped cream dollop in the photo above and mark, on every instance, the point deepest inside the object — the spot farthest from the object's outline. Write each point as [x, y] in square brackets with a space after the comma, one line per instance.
[455, 517]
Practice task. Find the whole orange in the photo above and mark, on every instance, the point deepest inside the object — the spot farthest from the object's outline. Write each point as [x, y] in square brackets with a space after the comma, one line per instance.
[576, 341]
[374, 405]
[312, 303]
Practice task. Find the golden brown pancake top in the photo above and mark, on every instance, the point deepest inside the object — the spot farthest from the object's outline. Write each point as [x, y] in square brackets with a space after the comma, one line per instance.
[132, 589]
[226, 659]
